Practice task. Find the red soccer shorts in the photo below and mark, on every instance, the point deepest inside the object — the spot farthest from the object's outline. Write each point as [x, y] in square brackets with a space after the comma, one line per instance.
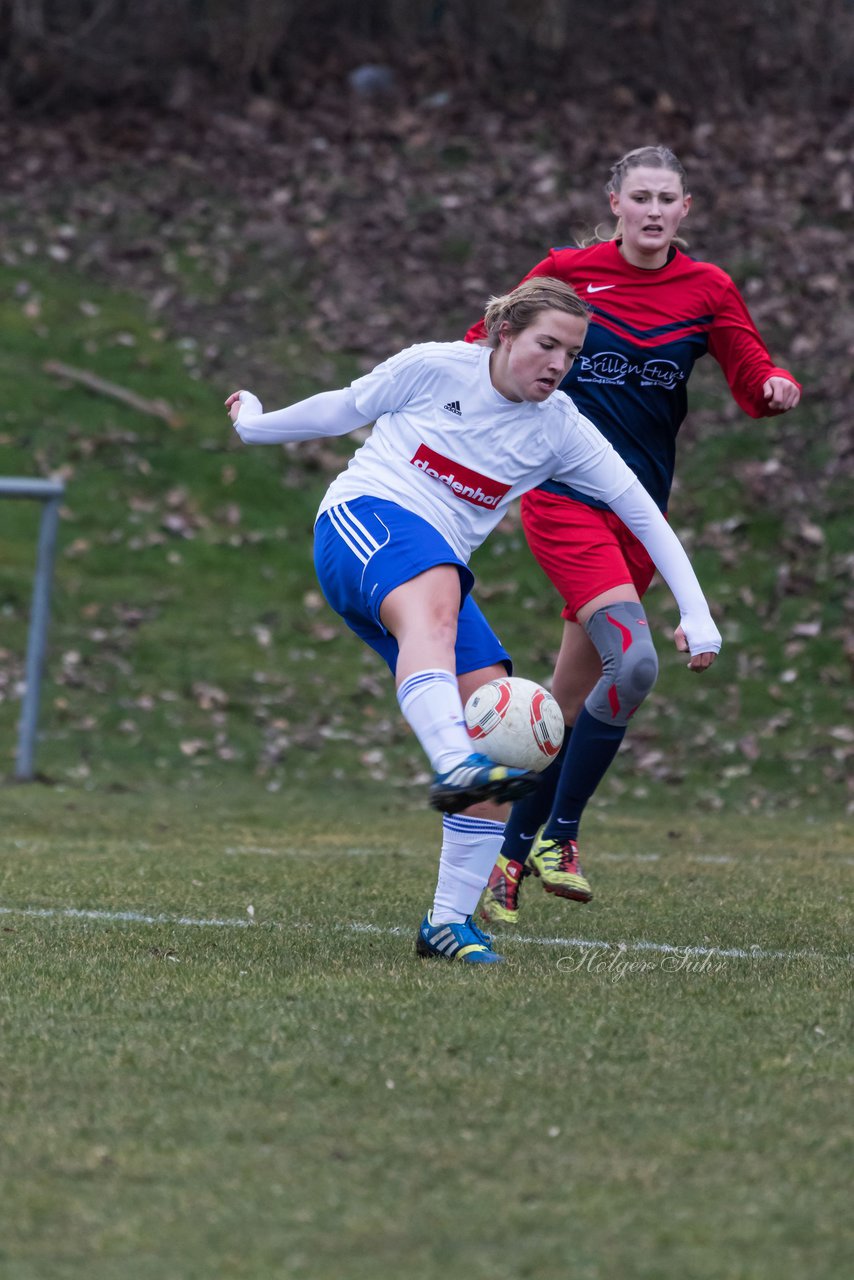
[582, 550]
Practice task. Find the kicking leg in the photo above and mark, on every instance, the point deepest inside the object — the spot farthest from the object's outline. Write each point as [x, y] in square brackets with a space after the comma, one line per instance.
[422, 615]
[470, 844]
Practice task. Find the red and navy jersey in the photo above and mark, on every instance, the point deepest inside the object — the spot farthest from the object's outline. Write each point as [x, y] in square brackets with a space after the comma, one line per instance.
[647, 330]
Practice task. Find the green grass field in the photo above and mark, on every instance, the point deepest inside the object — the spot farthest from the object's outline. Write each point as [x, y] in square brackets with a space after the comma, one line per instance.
[220, 1055]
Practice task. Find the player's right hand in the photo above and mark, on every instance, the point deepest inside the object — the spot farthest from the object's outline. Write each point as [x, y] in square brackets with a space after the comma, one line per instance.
[700, 661]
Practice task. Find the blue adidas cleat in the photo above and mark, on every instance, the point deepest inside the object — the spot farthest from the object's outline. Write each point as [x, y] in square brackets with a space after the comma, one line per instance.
[479, 778]
[462, 941]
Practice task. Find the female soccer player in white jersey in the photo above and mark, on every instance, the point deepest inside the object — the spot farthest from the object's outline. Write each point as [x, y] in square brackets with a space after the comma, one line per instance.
[460, 432]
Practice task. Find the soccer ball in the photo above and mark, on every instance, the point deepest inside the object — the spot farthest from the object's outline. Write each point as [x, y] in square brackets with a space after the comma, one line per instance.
[515, 722]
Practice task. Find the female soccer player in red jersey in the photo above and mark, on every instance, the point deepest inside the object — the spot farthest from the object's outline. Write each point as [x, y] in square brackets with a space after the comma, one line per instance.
[654, 312]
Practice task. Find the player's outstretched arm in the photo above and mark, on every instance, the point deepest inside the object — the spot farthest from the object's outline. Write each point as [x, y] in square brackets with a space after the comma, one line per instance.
[329, 413]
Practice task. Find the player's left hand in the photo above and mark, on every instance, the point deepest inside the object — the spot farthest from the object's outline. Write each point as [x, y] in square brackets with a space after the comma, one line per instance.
[232, 404]
[781, 394]
[699, 661]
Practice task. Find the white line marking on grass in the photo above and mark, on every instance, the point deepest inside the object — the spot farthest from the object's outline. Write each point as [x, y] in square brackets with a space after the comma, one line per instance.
[232, 850]
[754, 952]
[239, 850]
[120, 917]
[722, 858]
[629, 857]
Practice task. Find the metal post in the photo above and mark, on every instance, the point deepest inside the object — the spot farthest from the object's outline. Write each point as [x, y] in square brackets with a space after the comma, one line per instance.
[50, 492]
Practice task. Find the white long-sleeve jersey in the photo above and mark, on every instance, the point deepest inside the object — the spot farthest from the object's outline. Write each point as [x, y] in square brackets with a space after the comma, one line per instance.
[449, 447]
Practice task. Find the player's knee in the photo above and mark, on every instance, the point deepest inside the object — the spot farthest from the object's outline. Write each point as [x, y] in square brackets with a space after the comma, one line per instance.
[620, 633]
[639, 672]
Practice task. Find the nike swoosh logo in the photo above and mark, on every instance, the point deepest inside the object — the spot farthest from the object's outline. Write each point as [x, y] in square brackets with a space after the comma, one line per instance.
[597, 288]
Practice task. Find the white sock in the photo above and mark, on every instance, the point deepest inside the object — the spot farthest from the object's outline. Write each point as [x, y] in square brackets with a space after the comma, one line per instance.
[470, 849]
[431, 704]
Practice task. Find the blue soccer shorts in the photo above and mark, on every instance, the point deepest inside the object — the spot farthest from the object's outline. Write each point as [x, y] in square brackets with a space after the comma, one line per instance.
[365, 548]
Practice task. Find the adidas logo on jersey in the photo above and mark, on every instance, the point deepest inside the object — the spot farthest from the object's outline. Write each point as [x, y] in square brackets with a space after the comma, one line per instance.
[453, 406]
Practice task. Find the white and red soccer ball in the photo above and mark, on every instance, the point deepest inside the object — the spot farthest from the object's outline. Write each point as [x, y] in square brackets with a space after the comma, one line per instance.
[515, 722]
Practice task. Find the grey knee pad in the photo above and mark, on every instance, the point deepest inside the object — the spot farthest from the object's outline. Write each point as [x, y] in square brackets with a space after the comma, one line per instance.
[620, 633]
